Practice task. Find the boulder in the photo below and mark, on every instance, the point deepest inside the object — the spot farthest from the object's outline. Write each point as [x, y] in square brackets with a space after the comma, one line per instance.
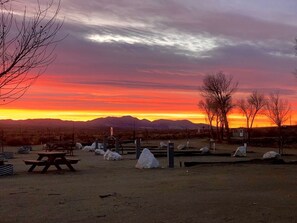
[271, 155]
[147, 160]
[204, 150]
[109, 155]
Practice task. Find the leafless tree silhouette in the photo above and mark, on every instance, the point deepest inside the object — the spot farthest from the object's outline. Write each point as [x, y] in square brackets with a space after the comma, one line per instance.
[250, 108]
[209, 108]
[278, 111]
[27, 44]
[219, 88]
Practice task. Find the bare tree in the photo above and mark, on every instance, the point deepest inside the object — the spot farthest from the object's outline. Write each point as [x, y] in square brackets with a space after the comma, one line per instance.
[278, 111]
[208, 107]
[219, 88]
[27, 44]
[250, 108]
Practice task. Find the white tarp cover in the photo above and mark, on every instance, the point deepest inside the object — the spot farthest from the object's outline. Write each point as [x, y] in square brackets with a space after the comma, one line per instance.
[88, 148]
[92, 147]
[99, 152]
[78, 145]
[24, 149]
[163, 144]
[147, 160]
[109, 155]
[204, 150]
[271, 155]
[181, 146]
[241, 151]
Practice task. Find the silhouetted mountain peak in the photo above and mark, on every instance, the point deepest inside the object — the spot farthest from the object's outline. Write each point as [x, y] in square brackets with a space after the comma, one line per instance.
[128, 122]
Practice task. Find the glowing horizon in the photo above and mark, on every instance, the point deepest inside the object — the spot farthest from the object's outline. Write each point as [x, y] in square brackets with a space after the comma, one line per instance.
[23, 114]
[235, 120]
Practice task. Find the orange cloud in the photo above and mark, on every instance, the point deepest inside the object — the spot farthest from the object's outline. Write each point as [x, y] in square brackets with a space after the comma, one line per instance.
[53, 98]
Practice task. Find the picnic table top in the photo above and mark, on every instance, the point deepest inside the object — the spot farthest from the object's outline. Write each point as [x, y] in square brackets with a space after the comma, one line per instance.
[51, 153]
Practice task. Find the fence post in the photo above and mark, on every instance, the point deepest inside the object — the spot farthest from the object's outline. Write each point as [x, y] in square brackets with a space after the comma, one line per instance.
[96, 144]
[170, 155]
[104, 144]
[138, 148]
[117, 145]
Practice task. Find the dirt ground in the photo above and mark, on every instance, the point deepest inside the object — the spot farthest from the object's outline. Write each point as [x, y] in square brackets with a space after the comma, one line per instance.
[115, 191]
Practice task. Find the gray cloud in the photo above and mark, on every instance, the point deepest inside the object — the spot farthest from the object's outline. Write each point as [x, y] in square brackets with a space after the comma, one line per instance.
[141, 85]
[169, 44]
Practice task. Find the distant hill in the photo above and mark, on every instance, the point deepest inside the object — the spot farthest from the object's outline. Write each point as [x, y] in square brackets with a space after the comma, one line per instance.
[128, 122]
[180, 124]
[36, 123]
[120, 122]
[132, 122]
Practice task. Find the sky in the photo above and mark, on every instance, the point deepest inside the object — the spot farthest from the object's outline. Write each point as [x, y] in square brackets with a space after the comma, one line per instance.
[148, 58]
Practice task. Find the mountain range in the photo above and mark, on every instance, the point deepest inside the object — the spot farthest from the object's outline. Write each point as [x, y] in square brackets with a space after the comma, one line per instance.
[128, 122]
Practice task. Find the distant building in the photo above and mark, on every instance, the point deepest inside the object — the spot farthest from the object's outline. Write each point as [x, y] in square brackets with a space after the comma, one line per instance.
[239, 132]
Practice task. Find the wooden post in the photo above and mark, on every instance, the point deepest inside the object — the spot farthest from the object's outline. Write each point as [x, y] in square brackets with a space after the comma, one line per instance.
[96, 144]
[117, 145]
[170, 155]
[104, 144]
[138, 148]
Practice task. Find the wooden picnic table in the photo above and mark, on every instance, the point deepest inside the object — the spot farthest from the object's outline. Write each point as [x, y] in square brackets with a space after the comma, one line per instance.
[52, 158]
[61, 146]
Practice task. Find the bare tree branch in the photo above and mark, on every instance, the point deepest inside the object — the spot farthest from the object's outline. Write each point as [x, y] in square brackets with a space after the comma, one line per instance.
[251, 106]
[219, 88]
[278, 111]
[27, 47]
[210, 109]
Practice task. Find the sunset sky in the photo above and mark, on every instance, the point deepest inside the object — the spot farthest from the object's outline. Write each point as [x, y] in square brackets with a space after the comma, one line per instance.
[147, 58]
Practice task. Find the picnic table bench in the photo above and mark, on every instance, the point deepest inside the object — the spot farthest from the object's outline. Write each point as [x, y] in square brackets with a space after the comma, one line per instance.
[54, 158]
[35, 162]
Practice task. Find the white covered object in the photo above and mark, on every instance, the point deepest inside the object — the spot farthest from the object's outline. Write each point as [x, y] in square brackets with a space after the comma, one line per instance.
[181, 146]
[100, 145]
[271, 155]
[109, 155]
[204, 150]
[163, 144]
[88, 148]
[78, 145]
[92, 147]
[99, 152]
[147, 160]
[241, 151]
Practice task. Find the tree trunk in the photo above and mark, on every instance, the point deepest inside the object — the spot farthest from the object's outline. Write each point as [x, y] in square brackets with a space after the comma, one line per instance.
[218, 135]
[227, 127]
[211, 130]
[248, 132]
[222, 132]
[280, 140]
